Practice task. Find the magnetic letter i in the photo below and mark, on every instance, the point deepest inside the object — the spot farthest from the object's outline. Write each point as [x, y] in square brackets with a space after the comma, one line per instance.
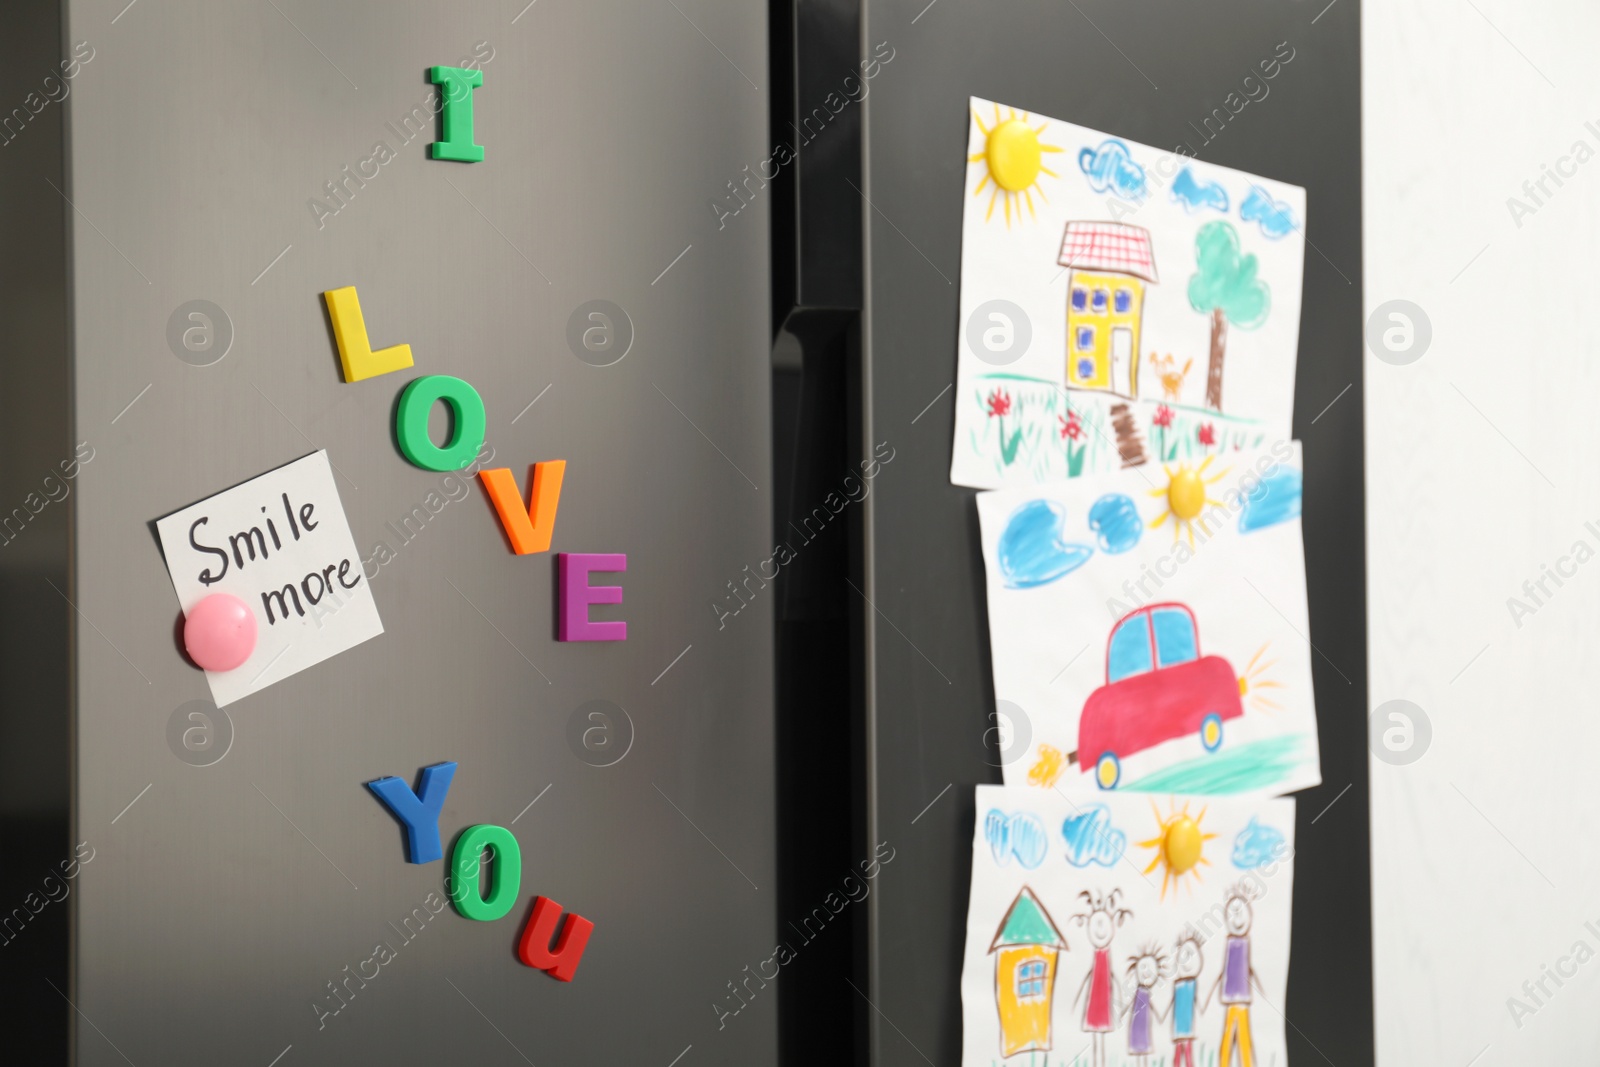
[456, 85]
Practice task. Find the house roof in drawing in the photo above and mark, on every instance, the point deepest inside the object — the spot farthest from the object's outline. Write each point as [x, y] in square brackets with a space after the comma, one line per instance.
[1027, 923]
[1114, 246]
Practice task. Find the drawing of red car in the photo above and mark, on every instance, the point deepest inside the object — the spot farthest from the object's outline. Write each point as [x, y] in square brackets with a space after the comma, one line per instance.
[1158, 687]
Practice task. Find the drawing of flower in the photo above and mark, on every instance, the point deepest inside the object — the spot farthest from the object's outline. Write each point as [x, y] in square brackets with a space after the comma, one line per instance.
[1073, 433]
[1207, 434]
[999, 406]
[1163, 422]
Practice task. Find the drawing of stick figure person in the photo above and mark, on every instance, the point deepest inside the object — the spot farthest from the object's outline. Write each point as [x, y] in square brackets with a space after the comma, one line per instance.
[1145, 969]
[1186, 974]
[1236, 979]
[1103, 1006]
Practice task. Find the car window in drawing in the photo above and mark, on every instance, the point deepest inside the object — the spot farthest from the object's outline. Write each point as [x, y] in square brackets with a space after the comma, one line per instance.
[1130, 649]
[1174, 636]
[1085, 338]
[1080, 299]
[1030, 979]
[1124, 301]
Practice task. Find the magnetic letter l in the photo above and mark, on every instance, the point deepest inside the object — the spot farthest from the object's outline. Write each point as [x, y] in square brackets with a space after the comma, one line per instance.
[528, 530]
[418, 814]
[355, 350]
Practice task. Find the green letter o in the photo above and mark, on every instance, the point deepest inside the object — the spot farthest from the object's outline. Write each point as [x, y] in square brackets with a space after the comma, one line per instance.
[466, 863]
[411, 422]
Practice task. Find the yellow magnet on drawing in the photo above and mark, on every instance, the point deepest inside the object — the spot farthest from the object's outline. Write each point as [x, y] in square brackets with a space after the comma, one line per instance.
[1181, 843]
[1013, 153]
[1186, 495]
[355, 350]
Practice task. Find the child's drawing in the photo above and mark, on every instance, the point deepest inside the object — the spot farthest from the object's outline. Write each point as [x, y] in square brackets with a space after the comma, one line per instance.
[1187, 963]
[1025, 947]
[1153, 972]
[1021, 836]
[1237, 978]
[1132, 270]
[1275, 217]
[1032, 551]
[1116, 524]
[1158, 686]
[1100, 994]
[1145, 968]
[1278, 500]
[1090, 837]
[1110, 263]
[1153, 662]
[1255, 846]
[1171, 380]
[1225, 287]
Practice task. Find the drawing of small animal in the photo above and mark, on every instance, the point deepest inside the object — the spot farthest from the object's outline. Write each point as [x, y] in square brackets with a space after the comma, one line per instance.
[1171, 381]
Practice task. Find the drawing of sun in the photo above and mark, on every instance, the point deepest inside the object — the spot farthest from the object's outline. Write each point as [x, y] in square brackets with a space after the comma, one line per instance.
[1179, 844]
[1013, 159]
[1186, 498]
[1251, 682]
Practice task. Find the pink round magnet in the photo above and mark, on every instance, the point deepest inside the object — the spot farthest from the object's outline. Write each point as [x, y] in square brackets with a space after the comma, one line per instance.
[220, 632]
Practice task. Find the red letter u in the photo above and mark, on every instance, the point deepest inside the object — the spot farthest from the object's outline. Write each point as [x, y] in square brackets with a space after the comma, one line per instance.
[562, 961]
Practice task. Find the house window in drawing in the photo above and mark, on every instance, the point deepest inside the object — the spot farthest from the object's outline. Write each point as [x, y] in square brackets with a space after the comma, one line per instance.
[1111, 262]
[1025, 948]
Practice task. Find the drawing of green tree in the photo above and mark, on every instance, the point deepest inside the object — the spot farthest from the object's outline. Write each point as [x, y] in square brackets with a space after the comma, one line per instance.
[1225, 287]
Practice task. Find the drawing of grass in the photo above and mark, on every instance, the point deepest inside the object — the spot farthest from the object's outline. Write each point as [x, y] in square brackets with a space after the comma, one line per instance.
[1256, 765]
[1033, 430]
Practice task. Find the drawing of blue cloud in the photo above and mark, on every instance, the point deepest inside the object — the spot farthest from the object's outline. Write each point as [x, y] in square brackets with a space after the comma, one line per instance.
[1116, 523]
[1275, 499]
[1021, 835]
[1194, 194]
[1256, 846]
[1091, 838]
[1274, 215]
[1112, 170]
[1032, 552]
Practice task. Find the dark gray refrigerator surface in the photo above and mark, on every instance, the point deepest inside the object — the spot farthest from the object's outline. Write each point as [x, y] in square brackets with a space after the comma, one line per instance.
[226, 905]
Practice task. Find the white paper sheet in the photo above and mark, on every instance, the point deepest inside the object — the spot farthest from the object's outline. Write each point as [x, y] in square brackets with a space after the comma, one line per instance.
[1088, 946]
[1135, 648]
[1151, 243]
[281, 544]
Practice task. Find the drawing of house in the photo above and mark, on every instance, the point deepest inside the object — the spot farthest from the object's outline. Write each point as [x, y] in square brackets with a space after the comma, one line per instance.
[1110, 264]
[1025, 948]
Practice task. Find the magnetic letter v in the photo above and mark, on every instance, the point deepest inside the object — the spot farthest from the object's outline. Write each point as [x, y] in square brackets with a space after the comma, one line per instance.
[528, 530]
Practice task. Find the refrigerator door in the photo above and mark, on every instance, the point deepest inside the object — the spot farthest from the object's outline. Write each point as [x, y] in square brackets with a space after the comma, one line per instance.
[248, 899]
[1143, 72]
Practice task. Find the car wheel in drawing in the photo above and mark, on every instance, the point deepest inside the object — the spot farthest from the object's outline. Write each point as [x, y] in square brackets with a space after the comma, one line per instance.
[1211, 732]
[1108, 771]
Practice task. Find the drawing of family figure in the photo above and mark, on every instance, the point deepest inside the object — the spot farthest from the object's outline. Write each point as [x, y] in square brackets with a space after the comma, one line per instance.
[1107, 1005]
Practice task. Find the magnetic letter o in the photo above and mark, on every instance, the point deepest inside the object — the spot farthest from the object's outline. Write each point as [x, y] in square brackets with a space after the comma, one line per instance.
[466, 864]
[411, 422]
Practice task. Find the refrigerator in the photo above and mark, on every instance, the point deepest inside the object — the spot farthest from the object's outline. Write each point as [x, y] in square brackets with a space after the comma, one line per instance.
[710, 260]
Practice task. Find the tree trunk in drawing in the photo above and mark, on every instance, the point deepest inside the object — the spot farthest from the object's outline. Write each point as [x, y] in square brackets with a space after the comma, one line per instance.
[1219, 348]
[1225, 287]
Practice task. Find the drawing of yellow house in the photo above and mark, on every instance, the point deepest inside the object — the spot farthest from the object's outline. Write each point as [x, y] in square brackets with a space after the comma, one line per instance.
[1025, 948]
[1110, 262]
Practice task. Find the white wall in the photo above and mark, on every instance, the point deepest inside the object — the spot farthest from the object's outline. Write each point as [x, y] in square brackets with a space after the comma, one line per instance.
[1482, 469]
